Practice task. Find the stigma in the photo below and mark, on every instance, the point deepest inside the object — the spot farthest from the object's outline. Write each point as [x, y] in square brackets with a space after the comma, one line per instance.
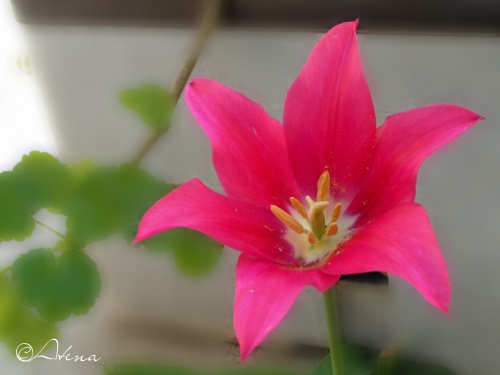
[314, 225]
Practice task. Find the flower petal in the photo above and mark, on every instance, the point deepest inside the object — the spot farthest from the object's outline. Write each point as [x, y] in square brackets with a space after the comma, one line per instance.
[402, 242]
[249, 152]
[265, 292]
[405, 140]
[242, 226]
[329, 117]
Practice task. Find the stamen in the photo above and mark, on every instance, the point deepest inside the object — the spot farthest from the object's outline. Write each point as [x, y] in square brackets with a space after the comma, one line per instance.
[299, 207]
[287, 219]
[336, 212]
[323, 186]
[332, 230]
[311, 238]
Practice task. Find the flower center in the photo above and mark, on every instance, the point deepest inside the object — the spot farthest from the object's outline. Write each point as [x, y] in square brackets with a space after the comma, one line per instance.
[315, 231]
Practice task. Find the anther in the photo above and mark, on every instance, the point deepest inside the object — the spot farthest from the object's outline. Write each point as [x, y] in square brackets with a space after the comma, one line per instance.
[287, 219]
[299, 207]
[323, 186]
[336, 212]
[311, 238]
[332, 229]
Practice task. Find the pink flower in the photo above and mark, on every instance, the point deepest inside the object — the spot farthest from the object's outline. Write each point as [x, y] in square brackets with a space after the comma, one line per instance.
[323, 195]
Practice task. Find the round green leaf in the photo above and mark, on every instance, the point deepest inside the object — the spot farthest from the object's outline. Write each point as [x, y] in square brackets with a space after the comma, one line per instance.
[56, 287]
[194, 253]
[110, 200]
[31, 273]
[18, 202]
[152, 103]
[48, 176]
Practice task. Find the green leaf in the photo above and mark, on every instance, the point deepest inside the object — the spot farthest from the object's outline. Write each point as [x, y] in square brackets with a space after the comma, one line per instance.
[152, 103]
[194, 253]
[82, 168]
[18, 202]
[48, 176]
[146, 369]
[356, 360]
[110, 200]
[56, 287]
[18, 325]
[114, 199]
[163, 242]
[395, 365]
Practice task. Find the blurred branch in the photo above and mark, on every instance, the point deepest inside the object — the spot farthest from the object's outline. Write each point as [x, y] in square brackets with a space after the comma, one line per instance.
[49, 228]
[208, 24]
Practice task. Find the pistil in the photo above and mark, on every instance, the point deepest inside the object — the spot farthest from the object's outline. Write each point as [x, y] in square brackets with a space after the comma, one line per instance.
[312, 221]
[317, 218]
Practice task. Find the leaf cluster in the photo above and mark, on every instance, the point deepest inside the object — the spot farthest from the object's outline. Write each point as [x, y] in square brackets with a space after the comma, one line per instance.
[48, 285]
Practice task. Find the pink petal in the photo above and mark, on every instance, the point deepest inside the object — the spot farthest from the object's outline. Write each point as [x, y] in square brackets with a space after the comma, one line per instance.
[329, 117]
[265, 292]
[402, 242]
[249, 151]
[405, 140]
[242, 226]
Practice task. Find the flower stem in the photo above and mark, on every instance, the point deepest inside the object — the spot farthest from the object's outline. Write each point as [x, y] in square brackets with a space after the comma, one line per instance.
[208, 23]
[49, 228]
[333, 330]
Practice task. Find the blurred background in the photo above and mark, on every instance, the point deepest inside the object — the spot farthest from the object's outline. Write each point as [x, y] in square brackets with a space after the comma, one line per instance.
[63, 65]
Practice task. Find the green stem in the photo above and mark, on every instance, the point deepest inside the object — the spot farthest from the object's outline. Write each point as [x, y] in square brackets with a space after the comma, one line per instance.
[208, 24]
[333, 330]
[49, 228]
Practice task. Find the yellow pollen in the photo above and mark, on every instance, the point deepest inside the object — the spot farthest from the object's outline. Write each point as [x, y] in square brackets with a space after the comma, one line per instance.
[336, 212]
[311, 238]
[332, 229]
[323, 187]
[287, 219]
[299, 207]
